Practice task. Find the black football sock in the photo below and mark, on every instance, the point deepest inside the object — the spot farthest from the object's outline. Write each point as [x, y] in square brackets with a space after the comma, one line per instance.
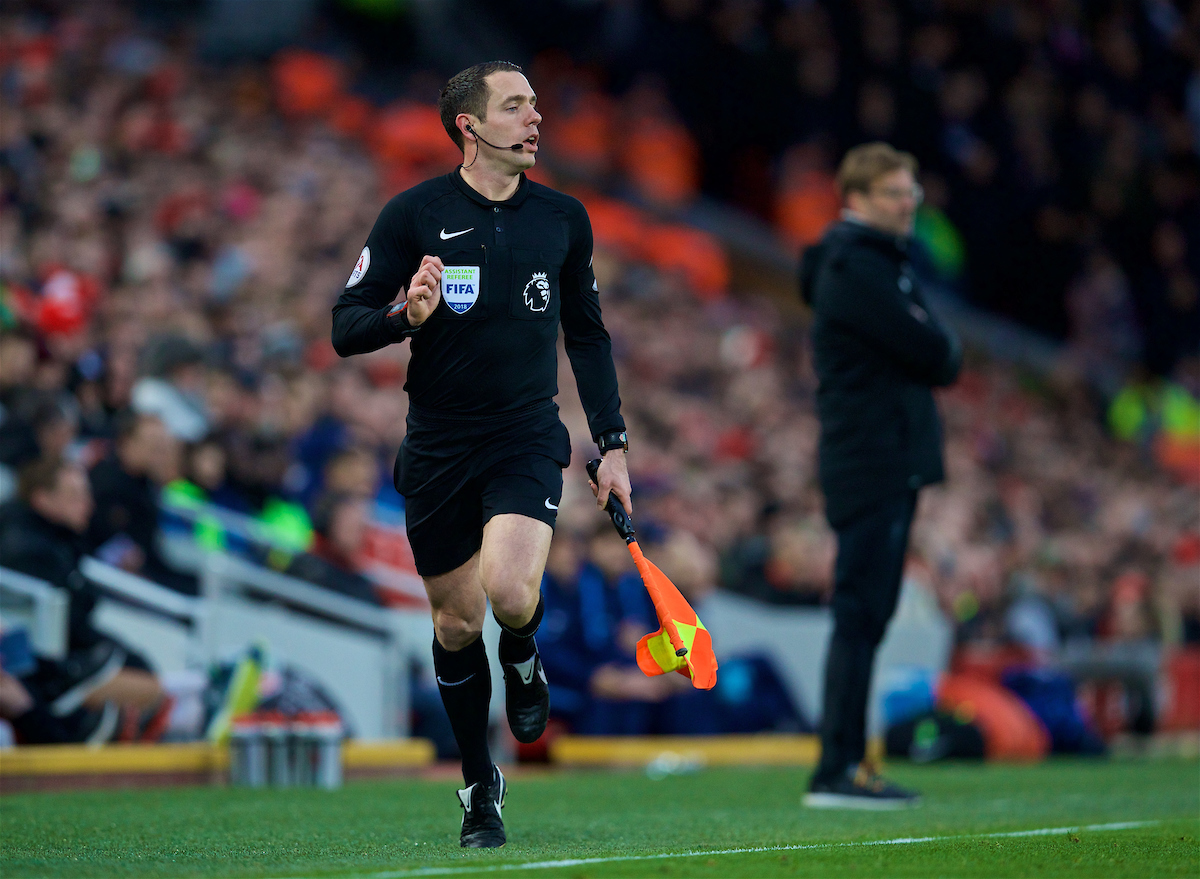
[517, 645]
[465, 682]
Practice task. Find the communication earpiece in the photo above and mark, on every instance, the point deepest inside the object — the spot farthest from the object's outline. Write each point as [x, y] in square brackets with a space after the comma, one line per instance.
[515, 147]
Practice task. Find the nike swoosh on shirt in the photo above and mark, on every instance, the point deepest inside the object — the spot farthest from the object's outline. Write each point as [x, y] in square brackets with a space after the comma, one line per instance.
[550, 506]
[446, 236]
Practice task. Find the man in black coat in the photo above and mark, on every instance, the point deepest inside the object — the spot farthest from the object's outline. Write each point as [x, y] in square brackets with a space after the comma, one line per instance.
[41, 534]
[124, 529]
[878, 350]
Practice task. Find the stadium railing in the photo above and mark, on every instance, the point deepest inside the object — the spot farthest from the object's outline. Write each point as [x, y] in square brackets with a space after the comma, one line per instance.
[41, 609]
[163, 625]
[355, 652]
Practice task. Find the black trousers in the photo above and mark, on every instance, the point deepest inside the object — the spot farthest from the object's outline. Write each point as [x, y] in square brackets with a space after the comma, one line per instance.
[866, 586]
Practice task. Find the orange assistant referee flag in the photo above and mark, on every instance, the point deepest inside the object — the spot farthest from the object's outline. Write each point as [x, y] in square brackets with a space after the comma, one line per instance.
[681, 643]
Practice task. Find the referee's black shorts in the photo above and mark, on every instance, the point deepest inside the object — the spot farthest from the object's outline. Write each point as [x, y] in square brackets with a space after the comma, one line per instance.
[456, 474]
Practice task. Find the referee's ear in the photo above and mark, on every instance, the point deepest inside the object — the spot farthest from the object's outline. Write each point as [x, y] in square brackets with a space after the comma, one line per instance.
[466, 126]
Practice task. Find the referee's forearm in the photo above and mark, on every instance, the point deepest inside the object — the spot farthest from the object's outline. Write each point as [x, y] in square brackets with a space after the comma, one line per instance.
[596, 379]
[358, 329]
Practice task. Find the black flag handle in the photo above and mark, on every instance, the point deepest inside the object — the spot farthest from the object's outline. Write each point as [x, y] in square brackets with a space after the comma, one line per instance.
[620, 519]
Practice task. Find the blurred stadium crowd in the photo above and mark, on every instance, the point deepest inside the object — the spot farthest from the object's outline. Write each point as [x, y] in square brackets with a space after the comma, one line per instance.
[1057, 139]
[173, 235]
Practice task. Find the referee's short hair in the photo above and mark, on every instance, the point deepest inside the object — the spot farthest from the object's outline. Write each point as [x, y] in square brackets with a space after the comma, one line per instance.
[467, 92]
[865, 164]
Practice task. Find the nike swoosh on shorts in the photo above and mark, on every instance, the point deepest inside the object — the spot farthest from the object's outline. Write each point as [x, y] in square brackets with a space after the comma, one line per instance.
[550, 506]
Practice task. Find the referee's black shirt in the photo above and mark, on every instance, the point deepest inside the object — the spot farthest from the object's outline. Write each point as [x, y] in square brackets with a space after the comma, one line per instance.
[514, 270]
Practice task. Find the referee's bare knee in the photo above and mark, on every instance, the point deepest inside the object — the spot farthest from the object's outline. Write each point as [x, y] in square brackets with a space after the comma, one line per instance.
[453, 631]
[514, 601]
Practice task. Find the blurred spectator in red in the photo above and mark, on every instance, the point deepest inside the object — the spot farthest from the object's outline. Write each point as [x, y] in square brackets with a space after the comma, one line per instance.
[808, 197]
[658, 155]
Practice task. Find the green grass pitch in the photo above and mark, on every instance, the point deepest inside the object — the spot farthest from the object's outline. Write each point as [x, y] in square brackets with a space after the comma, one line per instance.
[973, 822]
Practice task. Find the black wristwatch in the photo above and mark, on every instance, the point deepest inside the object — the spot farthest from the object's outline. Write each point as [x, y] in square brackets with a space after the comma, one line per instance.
[397, 321]
[613, 439]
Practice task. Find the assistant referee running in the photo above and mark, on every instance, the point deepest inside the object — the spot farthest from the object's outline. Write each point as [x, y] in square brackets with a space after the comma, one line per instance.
[487, 265]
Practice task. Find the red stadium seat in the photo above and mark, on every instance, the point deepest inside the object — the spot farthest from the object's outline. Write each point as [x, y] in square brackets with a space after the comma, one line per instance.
[1183, 687]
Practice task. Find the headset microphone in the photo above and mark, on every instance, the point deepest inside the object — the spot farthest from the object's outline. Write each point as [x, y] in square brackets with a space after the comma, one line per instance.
[515, 147]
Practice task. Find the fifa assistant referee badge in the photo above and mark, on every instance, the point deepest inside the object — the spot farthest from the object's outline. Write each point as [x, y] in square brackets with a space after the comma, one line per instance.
[613, 439]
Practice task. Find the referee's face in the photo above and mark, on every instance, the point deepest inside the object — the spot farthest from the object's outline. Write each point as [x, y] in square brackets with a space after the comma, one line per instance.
[512, 118]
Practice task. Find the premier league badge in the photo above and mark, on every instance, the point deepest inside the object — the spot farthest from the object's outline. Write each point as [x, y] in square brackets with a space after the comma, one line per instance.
[537, 292]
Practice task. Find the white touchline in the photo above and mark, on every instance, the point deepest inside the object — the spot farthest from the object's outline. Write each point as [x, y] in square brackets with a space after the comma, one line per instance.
[903, 840]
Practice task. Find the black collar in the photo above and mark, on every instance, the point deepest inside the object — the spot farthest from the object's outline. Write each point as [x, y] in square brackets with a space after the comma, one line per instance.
[513, 200]
[871, 235]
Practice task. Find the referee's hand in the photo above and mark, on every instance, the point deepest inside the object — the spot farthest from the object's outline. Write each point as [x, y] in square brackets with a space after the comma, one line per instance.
[613, 476]
[425, 291]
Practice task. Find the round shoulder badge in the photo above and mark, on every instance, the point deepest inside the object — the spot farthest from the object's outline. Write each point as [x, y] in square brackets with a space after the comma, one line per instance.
[360, 267]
